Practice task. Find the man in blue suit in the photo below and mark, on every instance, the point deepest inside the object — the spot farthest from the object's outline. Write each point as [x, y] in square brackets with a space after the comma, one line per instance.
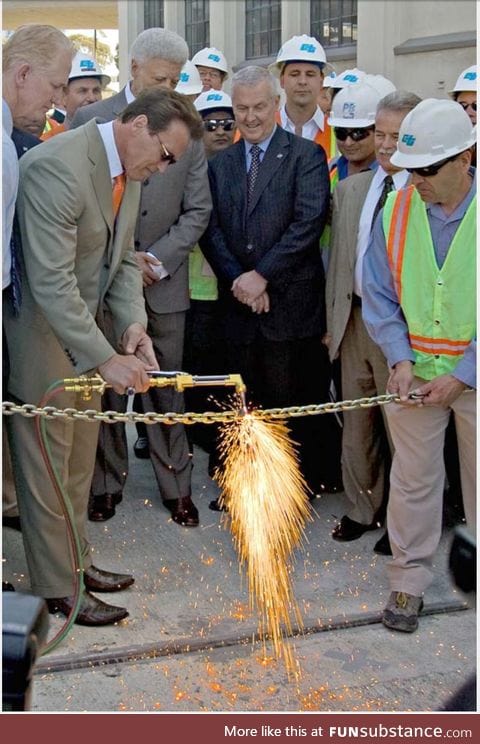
[270, 196]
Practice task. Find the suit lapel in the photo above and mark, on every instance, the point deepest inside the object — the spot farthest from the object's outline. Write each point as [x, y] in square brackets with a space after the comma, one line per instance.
[359, 194]
[272, 161]
[100, 174]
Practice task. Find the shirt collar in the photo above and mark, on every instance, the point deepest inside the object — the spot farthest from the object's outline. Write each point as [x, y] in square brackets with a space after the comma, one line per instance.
[128, 92]
[318, 118]
[262, 145]
[400, 178]
[7, 120]
[108, 138]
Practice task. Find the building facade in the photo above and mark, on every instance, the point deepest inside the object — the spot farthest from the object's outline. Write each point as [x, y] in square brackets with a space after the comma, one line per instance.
[421, 45]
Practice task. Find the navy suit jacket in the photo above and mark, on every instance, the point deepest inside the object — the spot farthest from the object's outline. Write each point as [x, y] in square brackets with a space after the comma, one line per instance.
[277, 235]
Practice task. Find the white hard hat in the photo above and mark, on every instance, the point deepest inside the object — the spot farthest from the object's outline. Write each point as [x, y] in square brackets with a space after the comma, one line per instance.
[189, 82]
[380, 83]
[300, 49]
[347, 77]
[466, 81]
[355, 106]
[211, 57]
[434, 130]
[213, 100]
[85, 66]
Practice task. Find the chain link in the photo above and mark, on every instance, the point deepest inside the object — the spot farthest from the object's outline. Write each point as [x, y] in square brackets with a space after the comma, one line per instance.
[28, 410]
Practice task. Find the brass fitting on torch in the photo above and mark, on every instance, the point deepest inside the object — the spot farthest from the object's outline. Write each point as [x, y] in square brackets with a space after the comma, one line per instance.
[179, 380]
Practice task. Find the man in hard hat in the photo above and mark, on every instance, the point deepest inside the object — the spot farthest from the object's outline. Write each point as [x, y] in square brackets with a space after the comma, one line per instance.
[85, 84]
[419, 305]
[300, 65]
[212, 67]
[335, 83]
[174, 211]
[464, 92]
[190, 83]
[353, 121]
[270, 192]
[204, 345]
[364, 370]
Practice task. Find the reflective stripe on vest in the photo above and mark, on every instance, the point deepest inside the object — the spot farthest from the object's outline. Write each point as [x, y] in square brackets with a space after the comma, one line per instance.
[440, 326]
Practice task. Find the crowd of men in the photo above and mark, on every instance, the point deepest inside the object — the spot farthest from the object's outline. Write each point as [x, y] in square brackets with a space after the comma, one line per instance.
[320, 246]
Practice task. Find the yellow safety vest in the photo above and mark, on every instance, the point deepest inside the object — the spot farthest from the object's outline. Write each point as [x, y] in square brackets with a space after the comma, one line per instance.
[438, 304]
[201, 279]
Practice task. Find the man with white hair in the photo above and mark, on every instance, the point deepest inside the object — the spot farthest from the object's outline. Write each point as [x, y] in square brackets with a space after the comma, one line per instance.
[174, 211]
[419, 305]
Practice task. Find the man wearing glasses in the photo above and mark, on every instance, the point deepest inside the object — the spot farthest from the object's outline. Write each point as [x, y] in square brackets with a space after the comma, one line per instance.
[212, 68]
[174, 210]
[419, 301]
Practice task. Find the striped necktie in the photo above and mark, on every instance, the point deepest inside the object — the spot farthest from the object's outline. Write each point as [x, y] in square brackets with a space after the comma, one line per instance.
[252, 174]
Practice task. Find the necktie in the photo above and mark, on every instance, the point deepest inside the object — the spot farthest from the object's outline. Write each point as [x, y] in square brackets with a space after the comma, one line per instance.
[15, 271]
[117, 193]
[252, 174]
[387, 187]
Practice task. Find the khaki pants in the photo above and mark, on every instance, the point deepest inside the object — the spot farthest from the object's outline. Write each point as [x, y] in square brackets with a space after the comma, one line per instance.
[417, 482]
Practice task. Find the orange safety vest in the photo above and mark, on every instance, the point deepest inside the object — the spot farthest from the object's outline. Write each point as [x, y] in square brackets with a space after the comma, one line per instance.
[52, 127]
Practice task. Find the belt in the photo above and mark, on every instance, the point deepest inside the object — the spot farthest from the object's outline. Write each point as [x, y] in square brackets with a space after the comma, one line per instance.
[356, 300]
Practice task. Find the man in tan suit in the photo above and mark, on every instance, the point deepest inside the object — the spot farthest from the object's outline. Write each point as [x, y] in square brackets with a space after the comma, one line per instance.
[81, 278]
[365, 445]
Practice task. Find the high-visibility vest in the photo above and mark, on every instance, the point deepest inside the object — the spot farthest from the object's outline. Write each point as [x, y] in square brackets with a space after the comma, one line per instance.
[201, 279]
[52, 127]
[325, 138]
[438, 304]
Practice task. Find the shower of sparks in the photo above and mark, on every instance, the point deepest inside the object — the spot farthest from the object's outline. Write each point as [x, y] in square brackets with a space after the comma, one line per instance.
[265, 497]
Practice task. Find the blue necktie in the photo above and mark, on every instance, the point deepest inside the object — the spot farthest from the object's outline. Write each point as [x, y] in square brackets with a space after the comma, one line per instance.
[252, 174]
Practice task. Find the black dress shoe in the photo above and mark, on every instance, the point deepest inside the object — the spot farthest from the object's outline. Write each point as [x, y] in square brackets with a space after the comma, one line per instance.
[214, 505]
[102, 507]
[97, 580]
[140, 448]
[382, 546]
[183, 511]
[92, 610]
[348, 529]
[12, 522]
[7, 587]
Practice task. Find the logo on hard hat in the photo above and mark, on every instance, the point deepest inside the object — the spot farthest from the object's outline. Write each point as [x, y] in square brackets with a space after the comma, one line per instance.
[351, 78]
[215, 57]
[308, 48]
[87, 64]
[184, 77]
[409, 139]
[470, 76]
[214, 97]
[348, 111]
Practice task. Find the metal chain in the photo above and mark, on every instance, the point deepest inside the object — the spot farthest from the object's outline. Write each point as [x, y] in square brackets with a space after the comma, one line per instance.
[28, 410]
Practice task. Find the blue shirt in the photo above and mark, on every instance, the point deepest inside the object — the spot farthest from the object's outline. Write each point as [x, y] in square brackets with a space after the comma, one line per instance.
[9, 190]
[381, 310]
[262, 145]
[342, 167]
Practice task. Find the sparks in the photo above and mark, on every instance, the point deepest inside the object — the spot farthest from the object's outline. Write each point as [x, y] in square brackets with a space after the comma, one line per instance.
[267, 505]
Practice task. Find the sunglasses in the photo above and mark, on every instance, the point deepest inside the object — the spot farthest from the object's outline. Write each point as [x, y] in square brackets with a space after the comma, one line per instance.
[465, 106]
[431, 170]
[166, 157]
[357, 135]
[211, 125]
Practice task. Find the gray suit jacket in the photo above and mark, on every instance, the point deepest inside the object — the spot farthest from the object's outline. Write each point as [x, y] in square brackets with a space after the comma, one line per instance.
[348, 199]
[174, 210]
[79, 273]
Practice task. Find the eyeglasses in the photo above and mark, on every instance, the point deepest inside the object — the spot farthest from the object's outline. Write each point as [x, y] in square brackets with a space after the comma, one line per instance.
[431, 170]
[357, 135]
[465, 105]
[166, 157]
[212, 74]
[211, 125]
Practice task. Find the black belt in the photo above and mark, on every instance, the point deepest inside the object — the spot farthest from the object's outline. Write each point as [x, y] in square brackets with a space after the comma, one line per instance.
[356, 300]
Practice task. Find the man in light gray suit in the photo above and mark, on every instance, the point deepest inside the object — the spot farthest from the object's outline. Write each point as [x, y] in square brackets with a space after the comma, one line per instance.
[365, 443]
[174, 212]
[77, 218]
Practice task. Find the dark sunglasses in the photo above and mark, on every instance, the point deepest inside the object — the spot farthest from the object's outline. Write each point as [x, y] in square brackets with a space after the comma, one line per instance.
[468, 105]
[211, 125]
[357, 135]
[431, 170]
[165, 156]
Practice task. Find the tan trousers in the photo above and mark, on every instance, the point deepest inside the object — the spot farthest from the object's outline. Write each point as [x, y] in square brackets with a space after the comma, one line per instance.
[9, 497]
[44, 530]
[417, 482]
[365, 442]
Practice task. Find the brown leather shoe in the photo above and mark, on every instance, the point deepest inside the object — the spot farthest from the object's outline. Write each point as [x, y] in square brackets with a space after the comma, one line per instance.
[97, 580]
[102, 507]
[92, 610]
[183, 511]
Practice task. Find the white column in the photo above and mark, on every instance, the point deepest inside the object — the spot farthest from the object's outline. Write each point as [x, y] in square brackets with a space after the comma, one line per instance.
[295, 18]
[174, 16]
[227, 30]
[130, 24]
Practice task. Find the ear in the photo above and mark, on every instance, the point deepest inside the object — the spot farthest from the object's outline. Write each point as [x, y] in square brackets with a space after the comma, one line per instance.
[133, 67]
[277, 102]
[21, 73]
[139, 123]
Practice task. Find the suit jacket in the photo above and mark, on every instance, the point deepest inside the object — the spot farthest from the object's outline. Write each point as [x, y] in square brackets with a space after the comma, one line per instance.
[277, 235]
[79, 272]
[174, 211]
[348, 199]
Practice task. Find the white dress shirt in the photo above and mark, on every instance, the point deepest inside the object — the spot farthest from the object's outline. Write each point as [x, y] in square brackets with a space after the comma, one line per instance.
[310, 129]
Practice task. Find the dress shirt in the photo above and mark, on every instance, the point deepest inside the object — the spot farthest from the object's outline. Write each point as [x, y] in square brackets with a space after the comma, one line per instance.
[365, 225]
[341, 164]
[9, 191]
[381, 311]
[310, 129]
[262, 145]
[128, 93]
